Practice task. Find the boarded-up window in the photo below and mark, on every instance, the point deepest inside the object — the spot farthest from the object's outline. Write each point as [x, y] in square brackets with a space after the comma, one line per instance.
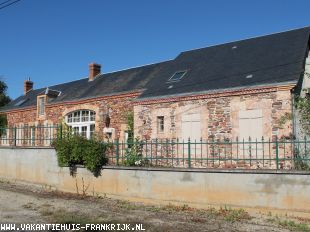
[250, 132]
[191, 127]
[250, 124]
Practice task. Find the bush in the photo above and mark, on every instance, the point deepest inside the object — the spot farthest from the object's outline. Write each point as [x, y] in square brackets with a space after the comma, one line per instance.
[75, 150]
[134, 154]
[94, 157]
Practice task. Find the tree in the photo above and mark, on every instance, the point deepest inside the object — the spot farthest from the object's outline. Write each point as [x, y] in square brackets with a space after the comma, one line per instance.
[4, 100]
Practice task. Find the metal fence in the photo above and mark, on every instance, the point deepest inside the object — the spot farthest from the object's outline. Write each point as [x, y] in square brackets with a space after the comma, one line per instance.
[261, 153]
[29, 136]
[242, 154]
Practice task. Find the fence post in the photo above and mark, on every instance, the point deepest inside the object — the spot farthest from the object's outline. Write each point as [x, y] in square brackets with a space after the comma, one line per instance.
[277, 152]
[15, 136]
[189, 152]
[117, 152]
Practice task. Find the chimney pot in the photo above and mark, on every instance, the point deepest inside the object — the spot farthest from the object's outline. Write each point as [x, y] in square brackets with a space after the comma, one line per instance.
[94, 70]
[28, 85]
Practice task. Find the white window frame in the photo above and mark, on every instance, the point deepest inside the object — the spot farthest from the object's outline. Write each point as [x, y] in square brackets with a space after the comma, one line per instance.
[80, 119]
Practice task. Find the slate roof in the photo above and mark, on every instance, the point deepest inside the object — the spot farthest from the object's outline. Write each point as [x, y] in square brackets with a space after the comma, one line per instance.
[124, 81]
[267, 59]
[264, 60]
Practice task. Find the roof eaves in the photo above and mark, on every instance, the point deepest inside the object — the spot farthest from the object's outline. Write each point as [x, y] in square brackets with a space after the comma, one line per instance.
[215, 91]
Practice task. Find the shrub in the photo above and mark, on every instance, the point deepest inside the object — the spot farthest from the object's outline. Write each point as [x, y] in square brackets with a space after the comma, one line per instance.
[94, 157]
[134, 154]
[75, 150]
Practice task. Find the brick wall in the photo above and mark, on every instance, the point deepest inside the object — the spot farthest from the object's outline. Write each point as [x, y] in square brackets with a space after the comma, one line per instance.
[54, 114]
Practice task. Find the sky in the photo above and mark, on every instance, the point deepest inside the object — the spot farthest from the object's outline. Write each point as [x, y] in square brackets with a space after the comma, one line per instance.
[53, 41]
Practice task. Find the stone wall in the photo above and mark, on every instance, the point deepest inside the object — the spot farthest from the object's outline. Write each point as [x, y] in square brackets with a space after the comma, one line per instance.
[219, 125]
[260, 190]
[219, 116]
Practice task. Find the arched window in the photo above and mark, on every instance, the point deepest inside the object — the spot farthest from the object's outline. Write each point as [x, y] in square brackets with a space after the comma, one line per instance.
[82, 122]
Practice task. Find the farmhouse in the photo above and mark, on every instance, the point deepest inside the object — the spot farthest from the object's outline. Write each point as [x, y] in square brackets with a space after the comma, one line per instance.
[239, 89]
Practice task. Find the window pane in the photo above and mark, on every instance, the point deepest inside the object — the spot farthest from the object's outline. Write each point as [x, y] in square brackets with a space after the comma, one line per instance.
[84, 131]
[92, 116]
[92, 130]
[76, 130]
[41, 105]
[85, 116]
[76, 116]
[69, 118]
[160, 124]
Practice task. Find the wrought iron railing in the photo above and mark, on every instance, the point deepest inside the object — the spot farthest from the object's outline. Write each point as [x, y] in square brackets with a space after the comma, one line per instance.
[260, 153]
[242, 154]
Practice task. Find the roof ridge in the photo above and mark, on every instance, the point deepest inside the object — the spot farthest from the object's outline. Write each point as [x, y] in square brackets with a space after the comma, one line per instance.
[249, 38]
[134, 67]
[102, 74]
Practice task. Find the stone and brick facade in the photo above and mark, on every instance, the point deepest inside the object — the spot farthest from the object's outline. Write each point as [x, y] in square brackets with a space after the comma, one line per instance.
[218, 111]
[116, 106]
[219, 115]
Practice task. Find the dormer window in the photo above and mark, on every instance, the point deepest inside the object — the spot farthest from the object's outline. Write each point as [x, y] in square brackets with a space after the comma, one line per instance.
[52, 93]
[41, 105]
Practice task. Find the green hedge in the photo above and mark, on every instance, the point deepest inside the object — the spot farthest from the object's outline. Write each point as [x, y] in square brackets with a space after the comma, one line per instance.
[75, 150]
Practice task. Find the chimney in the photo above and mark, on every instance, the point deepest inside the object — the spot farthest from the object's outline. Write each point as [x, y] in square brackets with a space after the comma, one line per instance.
[94, 70]
[28, 85]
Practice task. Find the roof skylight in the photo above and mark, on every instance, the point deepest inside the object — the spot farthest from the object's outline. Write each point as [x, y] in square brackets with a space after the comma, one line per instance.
[177, 76]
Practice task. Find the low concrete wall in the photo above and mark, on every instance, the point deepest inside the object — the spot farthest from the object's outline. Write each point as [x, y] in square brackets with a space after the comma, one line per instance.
[269, 190]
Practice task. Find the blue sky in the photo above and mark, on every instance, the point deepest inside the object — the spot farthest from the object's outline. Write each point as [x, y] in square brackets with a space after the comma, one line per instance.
[53, 41]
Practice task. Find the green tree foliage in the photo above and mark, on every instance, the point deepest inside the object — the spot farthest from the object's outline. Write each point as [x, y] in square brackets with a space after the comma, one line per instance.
[4, 100]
